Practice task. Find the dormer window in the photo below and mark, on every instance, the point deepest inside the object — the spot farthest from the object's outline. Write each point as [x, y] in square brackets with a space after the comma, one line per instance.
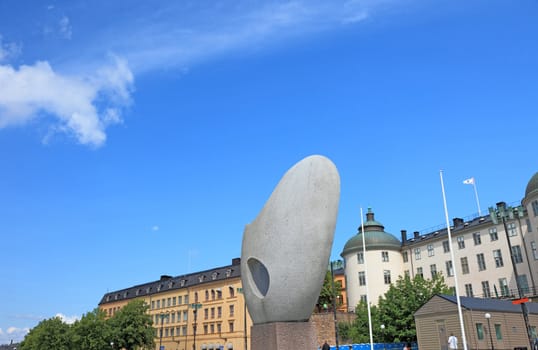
[182, 283]
[214, 275]
[228, 272]
[201, 278]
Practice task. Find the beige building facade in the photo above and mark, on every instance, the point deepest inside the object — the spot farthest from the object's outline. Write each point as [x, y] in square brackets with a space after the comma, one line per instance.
[490, 252]
[204, 310]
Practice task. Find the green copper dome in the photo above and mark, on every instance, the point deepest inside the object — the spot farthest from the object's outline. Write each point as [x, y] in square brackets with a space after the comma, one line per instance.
[375, 237]
[532, 186]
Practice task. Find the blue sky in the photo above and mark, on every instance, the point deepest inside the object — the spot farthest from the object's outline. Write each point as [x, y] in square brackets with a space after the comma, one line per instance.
[138, 139]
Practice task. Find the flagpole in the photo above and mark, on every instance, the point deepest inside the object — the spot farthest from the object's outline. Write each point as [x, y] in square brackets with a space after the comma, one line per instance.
[453, 264]
[476, 195]
[472, 181]
[367, 284]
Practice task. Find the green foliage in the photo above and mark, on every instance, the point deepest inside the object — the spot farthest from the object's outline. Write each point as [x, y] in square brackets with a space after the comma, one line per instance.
[398, 306]
[129, 328]
[92, 332]
[395, 310]
[48, 334]
[326, 294]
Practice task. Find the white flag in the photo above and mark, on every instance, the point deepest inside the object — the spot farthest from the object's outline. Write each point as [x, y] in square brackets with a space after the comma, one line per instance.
[469, 181]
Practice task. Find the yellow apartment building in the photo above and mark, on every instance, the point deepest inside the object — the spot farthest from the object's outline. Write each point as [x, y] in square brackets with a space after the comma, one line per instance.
[199, 311]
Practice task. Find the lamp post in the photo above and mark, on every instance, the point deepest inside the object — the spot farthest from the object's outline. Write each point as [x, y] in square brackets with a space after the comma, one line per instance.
[503, 212]
[162, 316]
[195, 308]
[112, 344]
[334, 306]
[488, 316]
[383, 335]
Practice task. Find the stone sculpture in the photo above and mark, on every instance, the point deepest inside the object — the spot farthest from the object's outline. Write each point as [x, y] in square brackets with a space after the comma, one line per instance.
[286, 249]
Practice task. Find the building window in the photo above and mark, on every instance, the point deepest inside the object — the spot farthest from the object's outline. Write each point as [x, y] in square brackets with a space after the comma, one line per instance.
[481, 262]
[512, 230]
[464, 265]
[505, 291]
[362, 278]
[516, 253]
[485, 289]
[469, 290]
[158, 304]
[173, 317]
[205, 329]
[195, 297]
[153, 304]
[232, 310]
[493, 234]
[461, 242]
[523, 283]
[534, 250]
[206, 295]
[206, 313]
[212, 312]
[219, 328]
[497, 256]
[174, 301]
[385, 256]
[430, 250]
[449, 268]
[476, 238]
[219, 311]
[405, 257]
[498, 332]
[420, 272]
[529, 226]
[480, 331]
[417, 253]
[186, 299]
[212, 328]
[433, 270]
[230, 327]
[386, 276]
[360, 258]
[213, 294]
[446, 247]
[364, 298]
[185, 315]
[231, 291]
[535, 208]
[407, 273]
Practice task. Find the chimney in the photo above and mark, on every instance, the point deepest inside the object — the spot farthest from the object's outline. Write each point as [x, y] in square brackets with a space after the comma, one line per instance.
[404, 235]
[416, 234]
[236, 261]
[165, 277]
[369, 215]
[457, 222]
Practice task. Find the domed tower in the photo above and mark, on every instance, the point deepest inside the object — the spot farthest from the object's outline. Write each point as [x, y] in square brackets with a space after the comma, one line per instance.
[382, 257]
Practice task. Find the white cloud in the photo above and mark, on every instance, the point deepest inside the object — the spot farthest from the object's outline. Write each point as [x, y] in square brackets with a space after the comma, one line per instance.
[65, 27]
[9, 50]
[12, 333]
[80, 106]
[155, 228]
[67, 319]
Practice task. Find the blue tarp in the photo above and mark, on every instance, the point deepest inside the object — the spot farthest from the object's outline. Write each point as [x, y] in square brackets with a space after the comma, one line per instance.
[377, 346]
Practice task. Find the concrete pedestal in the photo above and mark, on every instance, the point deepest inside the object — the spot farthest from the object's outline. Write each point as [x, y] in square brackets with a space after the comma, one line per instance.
[283, 336]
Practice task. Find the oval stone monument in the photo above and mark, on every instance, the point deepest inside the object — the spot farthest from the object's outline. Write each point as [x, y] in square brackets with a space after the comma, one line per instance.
[286, 249]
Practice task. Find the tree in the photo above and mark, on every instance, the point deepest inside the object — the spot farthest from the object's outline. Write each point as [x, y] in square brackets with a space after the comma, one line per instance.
[358, 331]
[48, 334]
[131, 326]
[92, 332]
[325, 299]
[399, 304]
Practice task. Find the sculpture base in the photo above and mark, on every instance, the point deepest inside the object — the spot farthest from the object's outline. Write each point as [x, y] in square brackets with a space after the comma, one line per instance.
[283, 336]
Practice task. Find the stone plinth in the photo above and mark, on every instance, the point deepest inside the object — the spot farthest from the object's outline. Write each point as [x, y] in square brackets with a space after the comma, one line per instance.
[283, 336]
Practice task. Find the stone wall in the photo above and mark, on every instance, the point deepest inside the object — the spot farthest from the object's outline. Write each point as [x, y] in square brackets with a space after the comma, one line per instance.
[324, 325]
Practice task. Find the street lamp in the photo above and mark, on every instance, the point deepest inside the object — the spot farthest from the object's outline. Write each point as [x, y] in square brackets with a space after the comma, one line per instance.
[163, 316]
[112, 344]
[383, 335]
[488, 316]
[503, 212]
[195, 308]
